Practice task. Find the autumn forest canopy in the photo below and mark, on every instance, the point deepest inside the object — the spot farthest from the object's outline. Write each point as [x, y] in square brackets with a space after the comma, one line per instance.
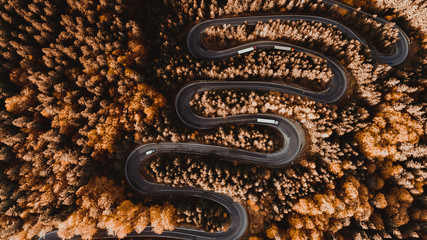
[85, 82]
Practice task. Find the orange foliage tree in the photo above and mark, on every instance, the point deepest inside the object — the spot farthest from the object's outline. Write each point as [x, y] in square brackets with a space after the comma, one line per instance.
[102, 206]
[389, 128]
[163, 218]
[126, 218]
[330, 211]
[95, 200]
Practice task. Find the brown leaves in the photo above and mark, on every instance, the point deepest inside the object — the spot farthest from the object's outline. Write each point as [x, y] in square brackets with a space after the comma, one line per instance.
[329, 211]
[95, 199]
[99, 195]
[105, 135]
[102, 206]
[163, 218]
[65, 120]
[142, 105]
[272, 232]
[19, 77]
[126, 218]
[22, 102]
[389, 129]
[398, 202]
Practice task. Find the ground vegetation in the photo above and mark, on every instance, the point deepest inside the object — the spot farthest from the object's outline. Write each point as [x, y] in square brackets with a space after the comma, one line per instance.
[85, 82]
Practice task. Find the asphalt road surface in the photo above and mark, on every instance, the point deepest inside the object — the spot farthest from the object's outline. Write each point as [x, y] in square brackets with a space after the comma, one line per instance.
[292, 133]
[196, 49]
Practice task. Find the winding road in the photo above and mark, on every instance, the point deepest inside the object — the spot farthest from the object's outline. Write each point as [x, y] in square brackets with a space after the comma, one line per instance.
[292, 133]
[195, 48]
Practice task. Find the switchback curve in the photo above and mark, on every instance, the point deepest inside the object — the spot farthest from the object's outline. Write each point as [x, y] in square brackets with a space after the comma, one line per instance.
[193, 40]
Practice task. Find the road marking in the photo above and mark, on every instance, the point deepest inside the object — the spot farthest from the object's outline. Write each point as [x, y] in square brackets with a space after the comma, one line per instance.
[282, 48]
[245, 50]
[149, 152]
[263, 120]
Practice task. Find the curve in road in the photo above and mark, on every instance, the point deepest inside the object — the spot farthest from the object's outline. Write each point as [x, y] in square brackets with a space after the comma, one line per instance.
[193, 41]
[292, 133]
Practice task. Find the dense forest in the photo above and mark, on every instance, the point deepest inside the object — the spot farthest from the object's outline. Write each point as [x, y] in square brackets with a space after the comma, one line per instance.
[84, 82]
